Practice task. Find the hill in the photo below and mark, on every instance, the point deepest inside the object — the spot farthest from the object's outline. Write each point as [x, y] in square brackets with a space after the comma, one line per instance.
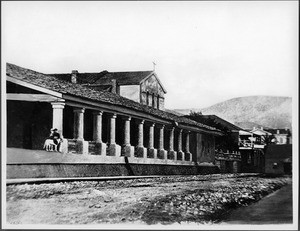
[252, 111]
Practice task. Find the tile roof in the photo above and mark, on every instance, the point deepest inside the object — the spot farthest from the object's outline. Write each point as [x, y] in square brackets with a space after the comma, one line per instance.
[125, 78]
[105, 77]
[65, 87]
[214, 121]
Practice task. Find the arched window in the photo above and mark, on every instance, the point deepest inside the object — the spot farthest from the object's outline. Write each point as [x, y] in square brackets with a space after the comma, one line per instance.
[153, 101]
[147, 98]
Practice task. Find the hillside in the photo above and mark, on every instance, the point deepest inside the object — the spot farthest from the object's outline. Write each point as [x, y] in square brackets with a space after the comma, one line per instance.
[247, 112]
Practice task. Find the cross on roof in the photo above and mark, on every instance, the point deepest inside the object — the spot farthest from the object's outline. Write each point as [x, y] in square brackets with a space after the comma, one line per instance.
[154, 64]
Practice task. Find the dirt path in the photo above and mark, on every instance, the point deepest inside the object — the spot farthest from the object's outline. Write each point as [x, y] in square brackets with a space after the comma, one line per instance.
[147, 201]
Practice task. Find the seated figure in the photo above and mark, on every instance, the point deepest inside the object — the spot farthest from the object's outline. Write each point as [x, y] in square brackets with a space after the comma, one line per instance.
[52, 143]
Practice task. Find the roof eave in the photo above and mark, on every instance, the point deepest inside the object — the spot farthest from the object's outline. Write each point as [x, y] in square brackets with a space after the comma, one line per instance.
[33, 86]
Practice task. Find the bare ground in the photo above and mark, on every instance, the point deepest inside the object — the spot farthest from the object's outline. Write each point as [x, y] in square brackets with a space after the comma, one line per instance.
[163, 200]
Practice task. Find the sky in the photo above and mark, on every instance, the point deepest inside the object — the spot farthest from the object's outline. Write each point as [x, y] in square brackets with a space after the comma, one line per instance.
[205, 52]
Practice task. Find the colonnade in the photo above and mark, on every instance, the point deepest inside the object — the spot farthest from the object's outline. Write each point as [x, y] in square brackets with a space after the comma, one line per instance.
[111, 148]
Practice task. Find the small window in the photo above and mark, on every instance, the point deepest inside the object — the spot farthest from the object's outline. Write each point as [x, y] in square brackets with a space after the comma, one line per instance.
[157, 105]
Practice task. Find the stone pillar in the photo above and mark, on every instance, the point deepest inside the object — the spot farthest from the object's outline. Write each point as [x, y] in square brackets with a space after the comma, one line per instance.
[171, 143]
[141, 134]
[162, 153]
[180, 153]
[100, 147]
[127, 131]
[81, 146]
[57, 122]
[97, 126]
[161, 137]
[78, 123]
[171, 153]
[188, 155]
[152, 152]
[112, 131]
[127, 149]
[113, 149]
[140, 150]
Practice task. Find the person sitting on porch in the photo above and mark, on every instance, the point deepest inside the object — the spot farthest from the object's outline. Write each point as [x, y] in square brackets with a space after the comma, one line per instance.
[52, 143]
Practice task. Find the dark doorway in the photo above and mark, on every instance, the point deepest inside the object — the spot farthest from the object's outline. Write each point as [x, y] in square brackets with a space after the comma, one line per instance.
[28, 124]
[287, 168]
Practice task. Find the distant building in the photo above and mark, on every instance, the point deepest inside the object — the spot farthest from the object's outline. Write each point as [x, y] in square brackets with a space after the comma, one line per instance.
[266, 150]
[281, 136]
[227, 154]
[251, 146]
[278, 159]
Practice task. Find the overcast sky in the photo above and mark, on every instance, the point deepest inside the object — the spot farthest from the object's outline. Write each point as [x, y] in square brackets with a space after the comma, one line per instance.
[206, 52]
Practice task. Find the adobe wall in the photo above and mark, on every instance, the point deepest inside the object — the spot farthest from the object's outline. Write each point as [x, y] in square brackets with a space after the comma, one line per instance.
[131, 92]
[205, 148]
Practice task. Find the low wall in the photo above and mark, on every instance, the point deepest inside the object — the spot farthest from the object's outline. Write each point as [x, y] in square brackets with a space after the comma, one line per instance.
[97, 170]
[228, 162]
[21, 163]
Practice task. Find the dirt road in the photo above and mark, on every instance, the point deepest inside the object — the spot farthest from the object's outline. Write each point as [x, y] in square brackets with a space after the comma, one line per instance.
[165, 200]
